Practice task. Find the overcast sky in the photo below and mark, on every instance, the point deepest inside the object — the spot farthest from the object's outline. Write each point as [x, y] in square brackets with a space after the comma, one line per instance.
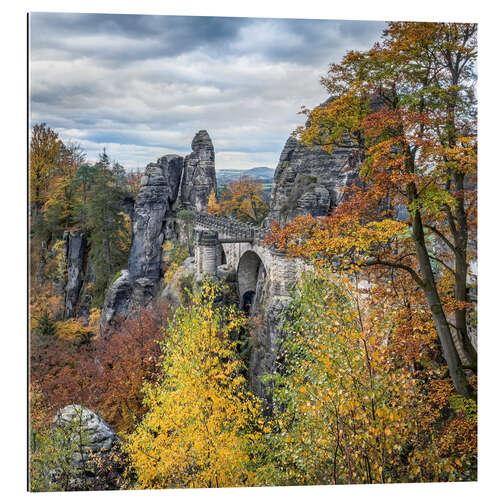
[142, 86]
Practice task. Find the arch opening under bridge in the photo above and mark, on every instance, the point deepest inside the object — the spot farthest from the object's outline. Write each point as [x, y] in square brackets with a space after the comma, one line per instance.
[251, 275]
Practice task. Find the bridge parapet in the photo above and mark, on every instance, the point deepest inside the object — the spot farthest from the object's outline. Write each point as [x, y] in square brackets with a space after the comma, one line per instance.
[231, 228]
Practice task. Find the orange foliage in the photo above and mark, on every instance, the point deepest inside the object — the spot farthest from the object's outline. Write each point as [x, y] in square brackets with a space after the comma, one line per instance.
[243, 199]
[106, 375]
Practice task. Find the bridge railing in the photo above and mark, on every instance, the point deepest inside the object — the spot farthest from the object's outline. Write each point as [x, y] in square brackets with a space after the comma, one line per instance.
[234, 229]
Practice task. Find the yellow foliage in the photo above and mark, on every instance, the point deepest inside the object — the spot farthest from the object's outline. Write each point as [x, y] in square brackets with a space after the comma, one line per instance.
[43, 156]
[350, 410]
[212, 205]
[74, 329]
[201, 423]
[175, 255]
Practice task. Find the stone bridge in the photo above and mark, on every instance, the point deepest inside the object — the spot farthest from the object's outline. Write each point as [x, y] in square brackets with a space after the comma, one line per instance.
[240, 247]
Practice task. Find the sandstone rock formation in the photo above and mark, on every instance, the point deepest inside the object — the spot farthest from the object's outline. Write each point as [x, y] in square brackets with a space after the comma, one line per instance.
[75, 247]
[159, 189]
[152, 223]
[173, 292]
[169, 183]
[267, 343]
[91, 433]
[93, 448]
[198, 178]
[310, 181]
[117, 302]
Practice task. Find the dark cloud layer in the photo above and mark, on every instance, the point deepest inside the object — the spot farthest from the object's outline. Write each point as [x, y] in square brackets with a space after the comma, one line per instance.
[143, 85]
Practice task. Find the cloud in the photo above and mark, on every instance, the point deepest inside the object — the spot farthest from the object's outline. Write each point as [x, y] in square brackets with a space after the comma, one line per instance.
[144, 85]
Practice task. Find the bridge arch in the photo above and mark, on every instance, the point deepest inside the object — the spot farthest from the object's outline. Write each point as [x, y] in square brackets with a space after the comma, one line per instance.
[251, 276]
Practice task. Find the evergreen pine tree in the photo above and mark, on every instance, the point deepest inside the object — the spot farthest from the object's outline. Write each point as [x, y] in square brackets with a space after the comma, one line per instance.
[109, 229]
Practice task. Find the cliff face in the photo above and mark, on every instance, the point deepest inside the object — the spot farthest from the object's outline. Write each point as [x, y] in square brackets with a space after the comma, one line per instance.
[75, 247]
[198, 178]
[310, 181]
[159, 188]
[172, 180]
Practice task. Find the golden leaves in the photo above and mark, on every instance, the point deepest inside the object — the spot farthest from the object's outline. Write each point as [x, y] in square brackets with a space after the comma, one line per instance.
[201, 421]
[243, 199]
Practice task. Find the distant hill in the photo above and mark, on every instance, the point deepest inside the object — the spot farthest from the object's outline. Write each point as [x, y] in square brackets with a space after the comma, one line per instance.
[263, 174]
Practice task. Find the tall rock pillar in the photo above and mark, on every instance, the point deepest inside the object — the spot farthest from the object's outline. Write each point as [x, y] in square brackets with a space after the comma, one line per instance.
[198, 178]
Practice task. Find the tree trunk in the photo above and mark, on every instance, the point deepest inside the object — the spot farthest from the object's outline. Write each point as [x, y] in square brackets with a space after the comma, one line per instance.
[461, 238]
[434, 302]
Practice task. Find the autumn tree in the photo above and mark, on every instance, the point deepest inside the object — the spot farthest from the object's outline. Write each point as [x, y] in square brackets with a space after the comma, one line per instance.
[45, 147]
[201, 422]
[70, 364]
[349, 408]
[243, 200]
[408, 106]
[128, 357]
[62, 197]
[212, 205]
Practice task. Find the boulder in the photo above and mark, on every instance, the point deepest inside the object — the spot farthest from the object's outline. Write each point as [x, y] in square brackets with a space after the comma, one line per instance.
[87, 430]
[92, 448]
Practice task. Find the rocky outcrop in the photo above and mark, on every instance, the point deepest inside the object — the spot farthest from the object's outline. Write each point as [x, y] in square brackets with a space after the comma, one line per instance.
[308, 181]
[152, 223]
[117, 302]
[198, 179]
[128, 203]
[86, 292]
[88, 429]
[170, 183]
[159, 189]
[174, 291]
[93, 449]
[266, 344]
[75, 248]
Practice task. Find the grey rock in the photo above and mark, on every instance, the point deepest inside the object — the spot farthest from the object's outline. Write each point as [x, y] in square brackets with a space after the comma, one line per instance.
[315, 202]
[198, 179]
[267, 343]
[170, 229]
[85, 298]
[173, 291]
[152, 223]
[310, 181]
[150, 209]
[128, 206]
[94, 450]
[87, 430]
[172, 166]
[75, 245]
[117, 302]
[227, 274]
[154, 202]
